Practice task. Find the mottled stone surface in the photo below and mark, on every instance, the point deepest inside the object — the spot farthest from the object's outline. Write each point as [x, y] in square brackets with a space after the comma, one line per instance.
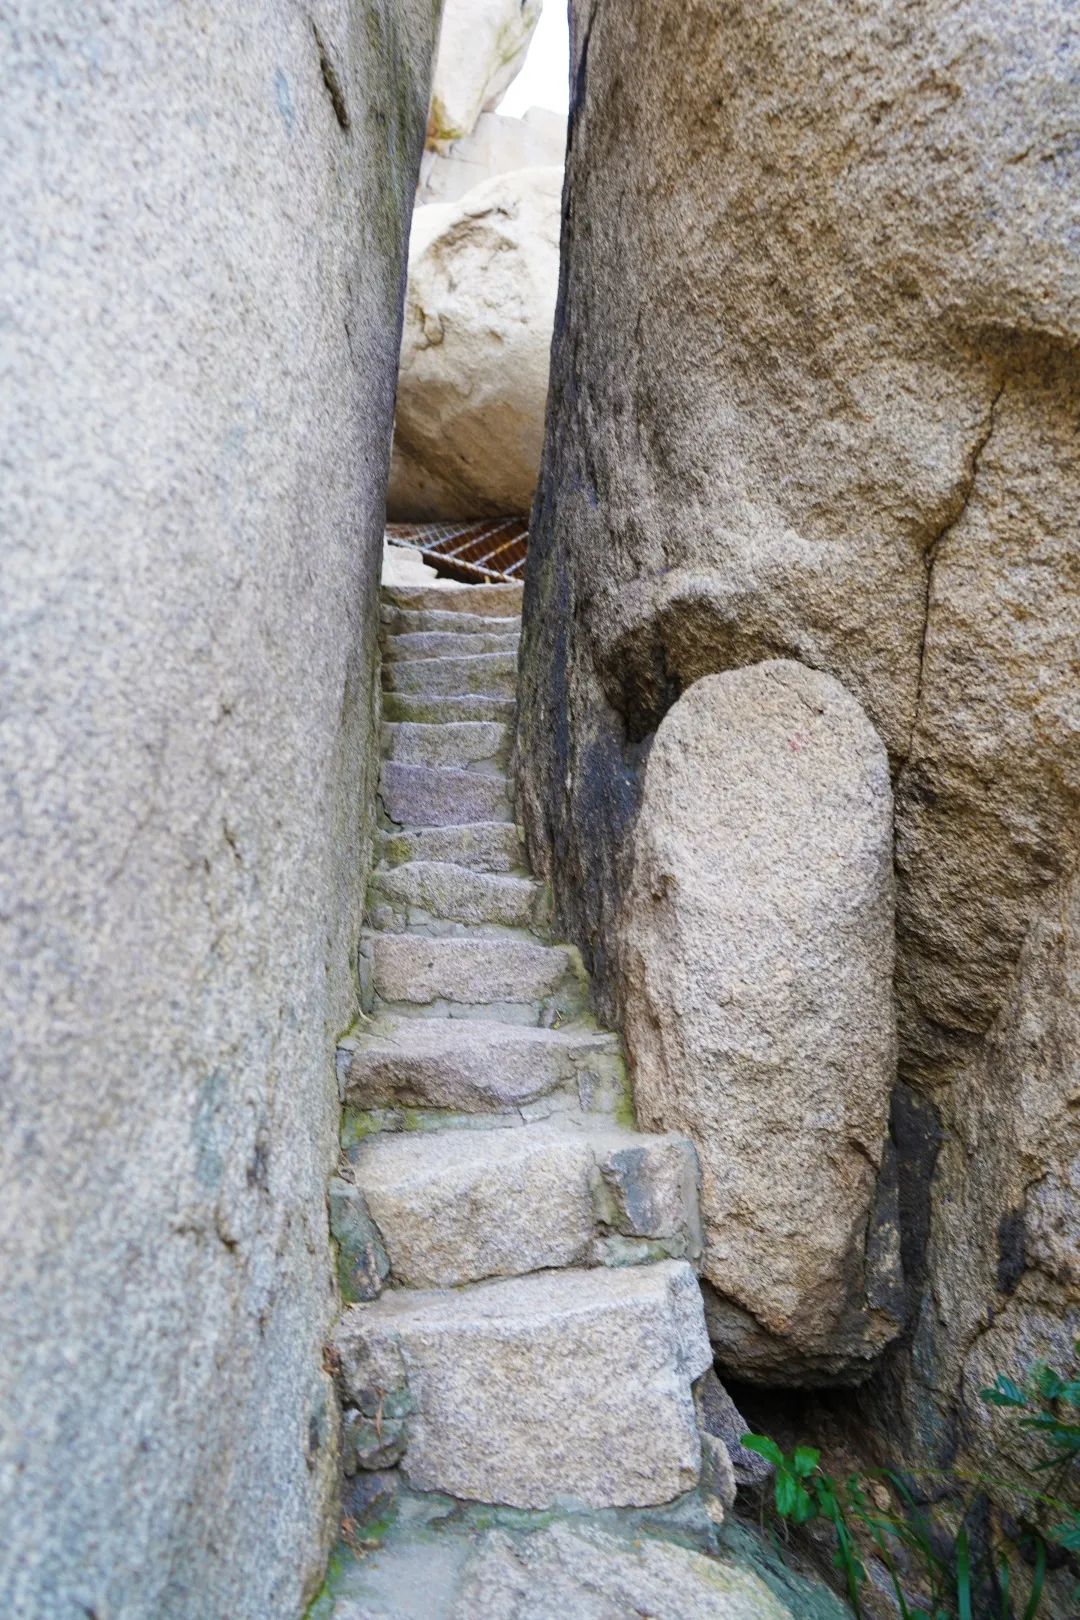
[757, 952]
[814, 397]
[570, 1384]
[204, 214]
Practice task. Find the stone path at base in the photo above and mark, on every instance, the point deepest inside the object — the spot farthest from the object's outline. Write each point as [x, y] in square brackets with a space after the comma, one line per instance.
[527, 1329]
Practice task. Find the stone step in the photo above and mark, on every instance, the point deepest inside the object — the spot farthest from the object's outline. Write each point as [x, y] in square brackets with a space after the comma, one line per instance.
[477, 973]
[403, 621]
[438, 709]
[427, 894]
[493, 674]
[470, 1065]
[456, 1206]
[482, 846]
[447, 644]
[501, 601]
[566, 1384]
[461, 743]
[417, 796]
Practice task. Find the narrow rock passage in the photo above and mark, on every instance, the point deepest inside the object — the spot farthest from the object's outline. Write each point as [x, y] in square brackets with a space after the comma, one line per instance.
[526, 1328]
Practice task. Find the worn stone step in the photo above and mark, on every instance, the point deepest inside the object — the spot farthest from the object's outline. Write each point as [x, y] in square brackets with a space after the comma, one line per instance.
[463, 744]
[438, 709]
[403, 621]
[456, 1206]
[427, 894]
[477, 973]
[563, 1384]
[418, 796]
[447, 644]
[501, 601]
[482, 846]
[469, 1065]
[493, 674]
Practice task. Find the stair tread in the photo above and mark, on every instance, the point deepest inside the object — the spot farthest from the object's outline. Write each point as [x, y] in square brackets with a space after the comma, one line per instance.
[493, 601]
[438, 796]
[442, 891]
[437, 708]
[482, 846]
[485, 674]
[404, 645]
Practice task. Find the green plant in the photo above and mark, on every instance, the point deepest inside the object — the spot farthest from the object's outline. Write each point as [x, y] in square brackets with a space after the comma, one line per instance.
[1050, 1403]
[916, 1552]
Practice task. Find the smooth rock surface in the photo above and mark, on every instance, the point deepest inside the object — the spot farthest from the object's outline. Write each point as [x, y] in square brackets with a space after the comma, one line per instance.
[201, 308]
[482, 44]
[568, 1384]
[758, 951]
[480, 304]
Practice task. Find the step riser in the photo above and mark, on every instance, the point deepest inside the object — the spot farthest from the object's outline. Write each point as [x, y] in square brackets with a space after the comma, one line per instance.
[457, 1207]
[488, 674]
[400, 649]
[482, 847]
[415, 796]
[398, 621]
[432, 892]
[485, 601]
[417, 708]
[468, 745]
[559, 1385]
[469, 1069]
[476, 973]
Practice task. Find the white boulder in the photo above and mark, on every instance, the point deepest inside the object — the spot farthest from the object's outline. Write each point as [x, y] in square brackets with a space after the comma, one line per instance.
[498, 145]
[481, 47]
[479, 312]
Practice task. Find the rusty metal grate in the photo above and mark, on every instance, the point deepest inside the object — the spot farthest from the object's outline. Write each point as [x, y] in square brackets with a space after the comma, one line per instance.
[489, 548]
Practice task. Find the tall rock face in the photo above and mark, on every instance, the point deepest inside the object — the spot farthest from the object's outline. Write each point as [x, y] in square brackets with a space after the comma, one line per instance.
[814, 399]
[204, 223]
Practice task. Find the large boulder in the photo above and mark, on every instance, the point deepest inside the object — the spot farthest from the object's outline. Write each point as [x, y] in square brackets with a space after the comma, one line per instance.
[814, 397]
[757, 957]
[483, 275]
[498, 145]
[205, 217]
[481, 47]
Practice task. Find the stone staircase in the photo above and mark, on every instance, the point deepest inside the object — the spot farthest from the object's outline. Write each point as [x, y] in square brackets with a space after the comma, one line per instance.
[526, 1329]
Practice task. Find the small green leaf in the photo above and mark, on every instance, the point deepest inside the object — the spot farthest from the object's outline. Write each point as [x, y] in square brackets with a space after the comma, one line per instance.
[786, 1487]
[804, 1459]
[803, 1509]
[764, 1447]
[1067, 1535]
[1004, 1393]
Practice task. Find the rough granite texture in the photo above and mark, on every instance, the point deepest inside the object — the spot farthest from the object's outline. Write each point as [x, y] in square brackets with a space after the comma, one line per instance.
[814, 396]
[203, 227]
[757, 954]
[562, 1385]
